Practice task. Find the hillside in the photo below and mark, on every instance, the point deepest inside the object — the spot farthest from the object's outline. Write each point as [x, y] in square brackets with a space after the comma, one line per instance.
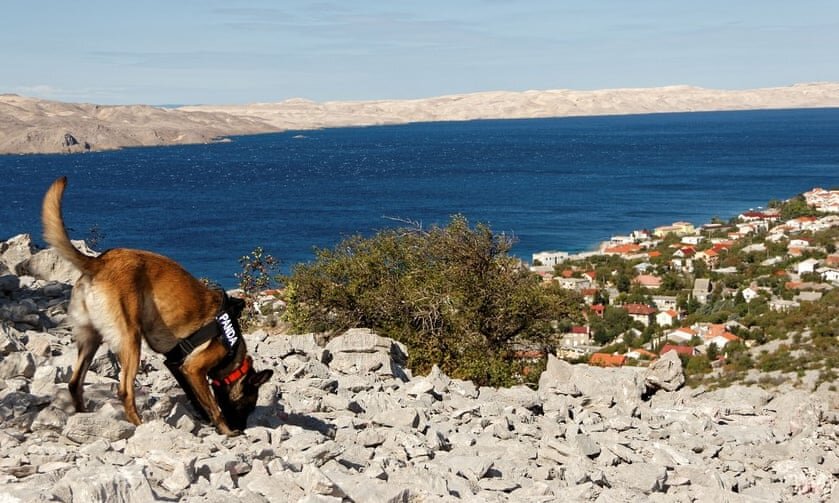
[304, 114]
[348, 422]
[29, 125]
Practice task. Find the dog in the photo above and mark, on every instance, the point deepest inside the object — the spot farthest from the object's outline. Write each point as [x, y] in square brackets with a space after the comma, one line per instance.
[125, 296]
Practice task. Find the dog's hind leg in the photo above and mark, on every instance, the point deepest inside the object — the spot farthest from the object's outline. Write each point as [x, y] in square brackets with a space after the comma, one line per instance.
[88, 341]
[129, 359]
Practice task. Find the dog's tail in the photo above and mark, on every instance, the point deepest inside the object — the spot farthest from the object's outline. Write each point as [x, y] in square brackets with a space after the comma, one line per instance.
[54, 231]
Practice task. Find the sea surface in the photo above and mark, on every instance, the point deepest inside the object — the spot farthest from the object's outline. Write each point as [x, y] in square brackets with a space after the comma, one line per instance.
[554, 184]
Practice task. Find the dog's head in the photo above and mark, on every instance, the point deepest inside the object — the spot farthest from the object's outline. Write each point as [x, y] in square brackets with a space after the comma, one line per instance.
[238, 400]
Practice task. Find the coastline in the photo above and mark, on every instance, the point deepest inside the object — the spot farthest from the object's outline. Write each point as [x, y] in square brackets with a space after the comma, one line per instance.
[31, 126]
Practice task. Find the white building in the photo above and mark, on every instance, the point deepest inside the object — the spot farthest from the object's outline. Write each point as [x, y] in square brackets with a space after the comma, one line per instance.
[550, 258]
[806, 266]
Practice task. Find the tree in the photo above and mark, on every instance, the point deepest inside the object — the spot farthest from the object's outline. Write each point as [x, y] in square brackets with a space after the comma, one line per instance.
[452, 294]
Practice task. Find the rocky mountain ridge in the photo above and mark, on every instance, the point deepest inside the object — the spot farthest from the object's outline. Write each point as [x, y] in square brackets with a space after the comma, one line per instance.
[345, 421]
[29, 125]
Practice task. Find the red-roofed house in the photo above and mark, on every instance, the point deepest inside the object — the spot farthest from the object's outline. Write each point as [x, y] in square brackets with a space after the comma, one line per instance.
[721, 340]
[648, 281]
[627, 249]
[685, 252]
[588, 294]
[577, 336]
[607, 360]
[598, 309]
[640, 312]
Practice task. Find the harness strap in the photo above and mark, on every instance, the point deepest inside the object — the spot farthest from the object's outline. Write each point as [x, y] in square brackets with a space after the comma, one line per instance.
[186, 346]
[231, 307]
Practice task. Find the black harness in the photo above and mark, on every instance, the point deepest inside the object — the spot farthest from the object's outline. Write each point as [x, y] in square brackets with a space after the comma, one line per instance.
[226, 328]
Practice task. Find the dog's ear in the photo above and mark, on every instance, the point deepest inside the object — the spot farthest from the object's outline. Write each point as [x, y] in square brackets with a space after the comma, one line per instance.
[235, 306]
[257, 379]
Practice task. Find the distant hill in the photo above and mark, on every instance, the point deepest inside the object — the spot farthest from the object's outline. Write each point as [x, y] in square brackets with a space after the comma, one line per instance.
[304, 114]
[29, 125]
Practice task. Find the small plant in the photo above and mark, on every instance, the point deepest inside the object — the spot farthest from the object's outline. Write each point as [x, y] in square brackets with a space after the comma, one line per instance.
[95, 236]
[259, 273]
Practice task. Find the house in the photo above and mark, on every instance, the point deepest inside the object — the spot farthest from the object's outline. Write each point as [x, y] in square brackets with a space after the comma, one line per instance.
[588, 295]
[625, 249]
[749, 294]
[681, 335]
[759, 216]
[685, 252]
[677, 228]
[577, 336]
[721, 340]
[648, 281]
[577, 284]
[598, 309]
[711, 257]
[692, 240]
[642, 267]
[607, 360]
[823, 200]
[680, 265]
[798, 243]
[702, 288]
[805, 266]
[715, 333]
[808, 296]
[549, 258]
[783, 305]
[667, 318]
[664, 302]
[640, 312]
[680, 350]
[829, 274]
[639, 353]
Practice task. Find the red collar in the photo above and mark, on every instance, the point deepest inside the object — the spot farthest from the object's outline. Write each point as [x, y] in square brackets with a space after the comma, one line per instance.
[238, 373]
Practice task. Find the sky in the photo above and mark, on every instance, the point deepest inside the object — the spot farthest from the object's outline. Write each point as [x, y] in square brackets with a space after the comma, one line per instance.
[212, 52]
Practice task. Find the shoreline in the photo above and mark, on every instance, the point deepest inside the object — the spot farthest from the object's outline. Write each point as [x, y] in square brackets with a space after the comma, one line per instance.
[35, 126]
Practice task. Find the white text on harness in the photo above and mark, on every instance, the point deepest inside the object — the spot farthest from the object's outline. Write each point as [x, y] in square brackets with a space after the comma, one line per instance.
[227, 329]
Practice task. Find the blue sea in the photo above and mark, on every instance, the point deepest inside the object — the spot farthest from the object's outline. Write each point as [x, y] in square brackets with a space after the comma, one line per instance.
[553, 184]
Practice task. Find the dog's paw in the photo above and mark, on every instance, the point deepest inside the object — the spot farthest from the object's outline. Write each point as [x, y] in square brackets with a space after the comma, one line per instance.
[234, 433]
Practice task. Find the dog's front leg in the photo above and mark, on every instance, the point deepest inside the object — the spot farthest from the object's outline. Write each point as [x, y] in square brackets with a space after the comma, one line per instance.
[196, 376]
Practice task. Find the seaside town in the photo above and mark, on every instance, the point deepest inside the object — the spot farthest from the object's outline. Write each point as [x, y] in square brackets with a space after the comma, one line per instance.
[710, 293]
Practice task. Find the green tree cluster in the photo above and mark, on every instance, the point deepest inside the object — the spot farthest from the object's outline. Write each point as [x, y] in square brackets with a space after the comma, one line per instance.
[452, 294]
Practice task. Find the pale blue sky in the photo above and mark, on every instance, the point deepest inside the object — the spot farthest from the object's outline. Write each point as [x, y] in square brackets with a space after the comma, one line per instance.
[190, 51]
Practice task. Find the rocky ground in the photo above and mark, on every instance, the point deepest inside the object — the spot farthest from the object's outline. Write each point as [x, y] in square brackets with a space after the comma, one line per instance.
[346, 421]
[29, 125]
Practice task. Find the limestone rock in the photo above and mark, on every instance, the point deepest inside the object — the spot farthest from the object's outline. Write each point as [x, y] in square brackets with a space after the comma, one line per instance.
[665, 373]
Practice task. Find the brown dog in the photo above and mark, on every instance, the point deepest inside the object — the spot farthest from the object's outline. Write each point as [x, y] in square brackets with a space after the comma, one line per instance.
[125, 296]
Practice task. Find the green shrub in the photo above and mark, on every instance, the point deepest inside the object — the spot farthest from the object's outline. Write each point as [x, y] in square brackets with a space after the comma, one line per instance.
[452, 294]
